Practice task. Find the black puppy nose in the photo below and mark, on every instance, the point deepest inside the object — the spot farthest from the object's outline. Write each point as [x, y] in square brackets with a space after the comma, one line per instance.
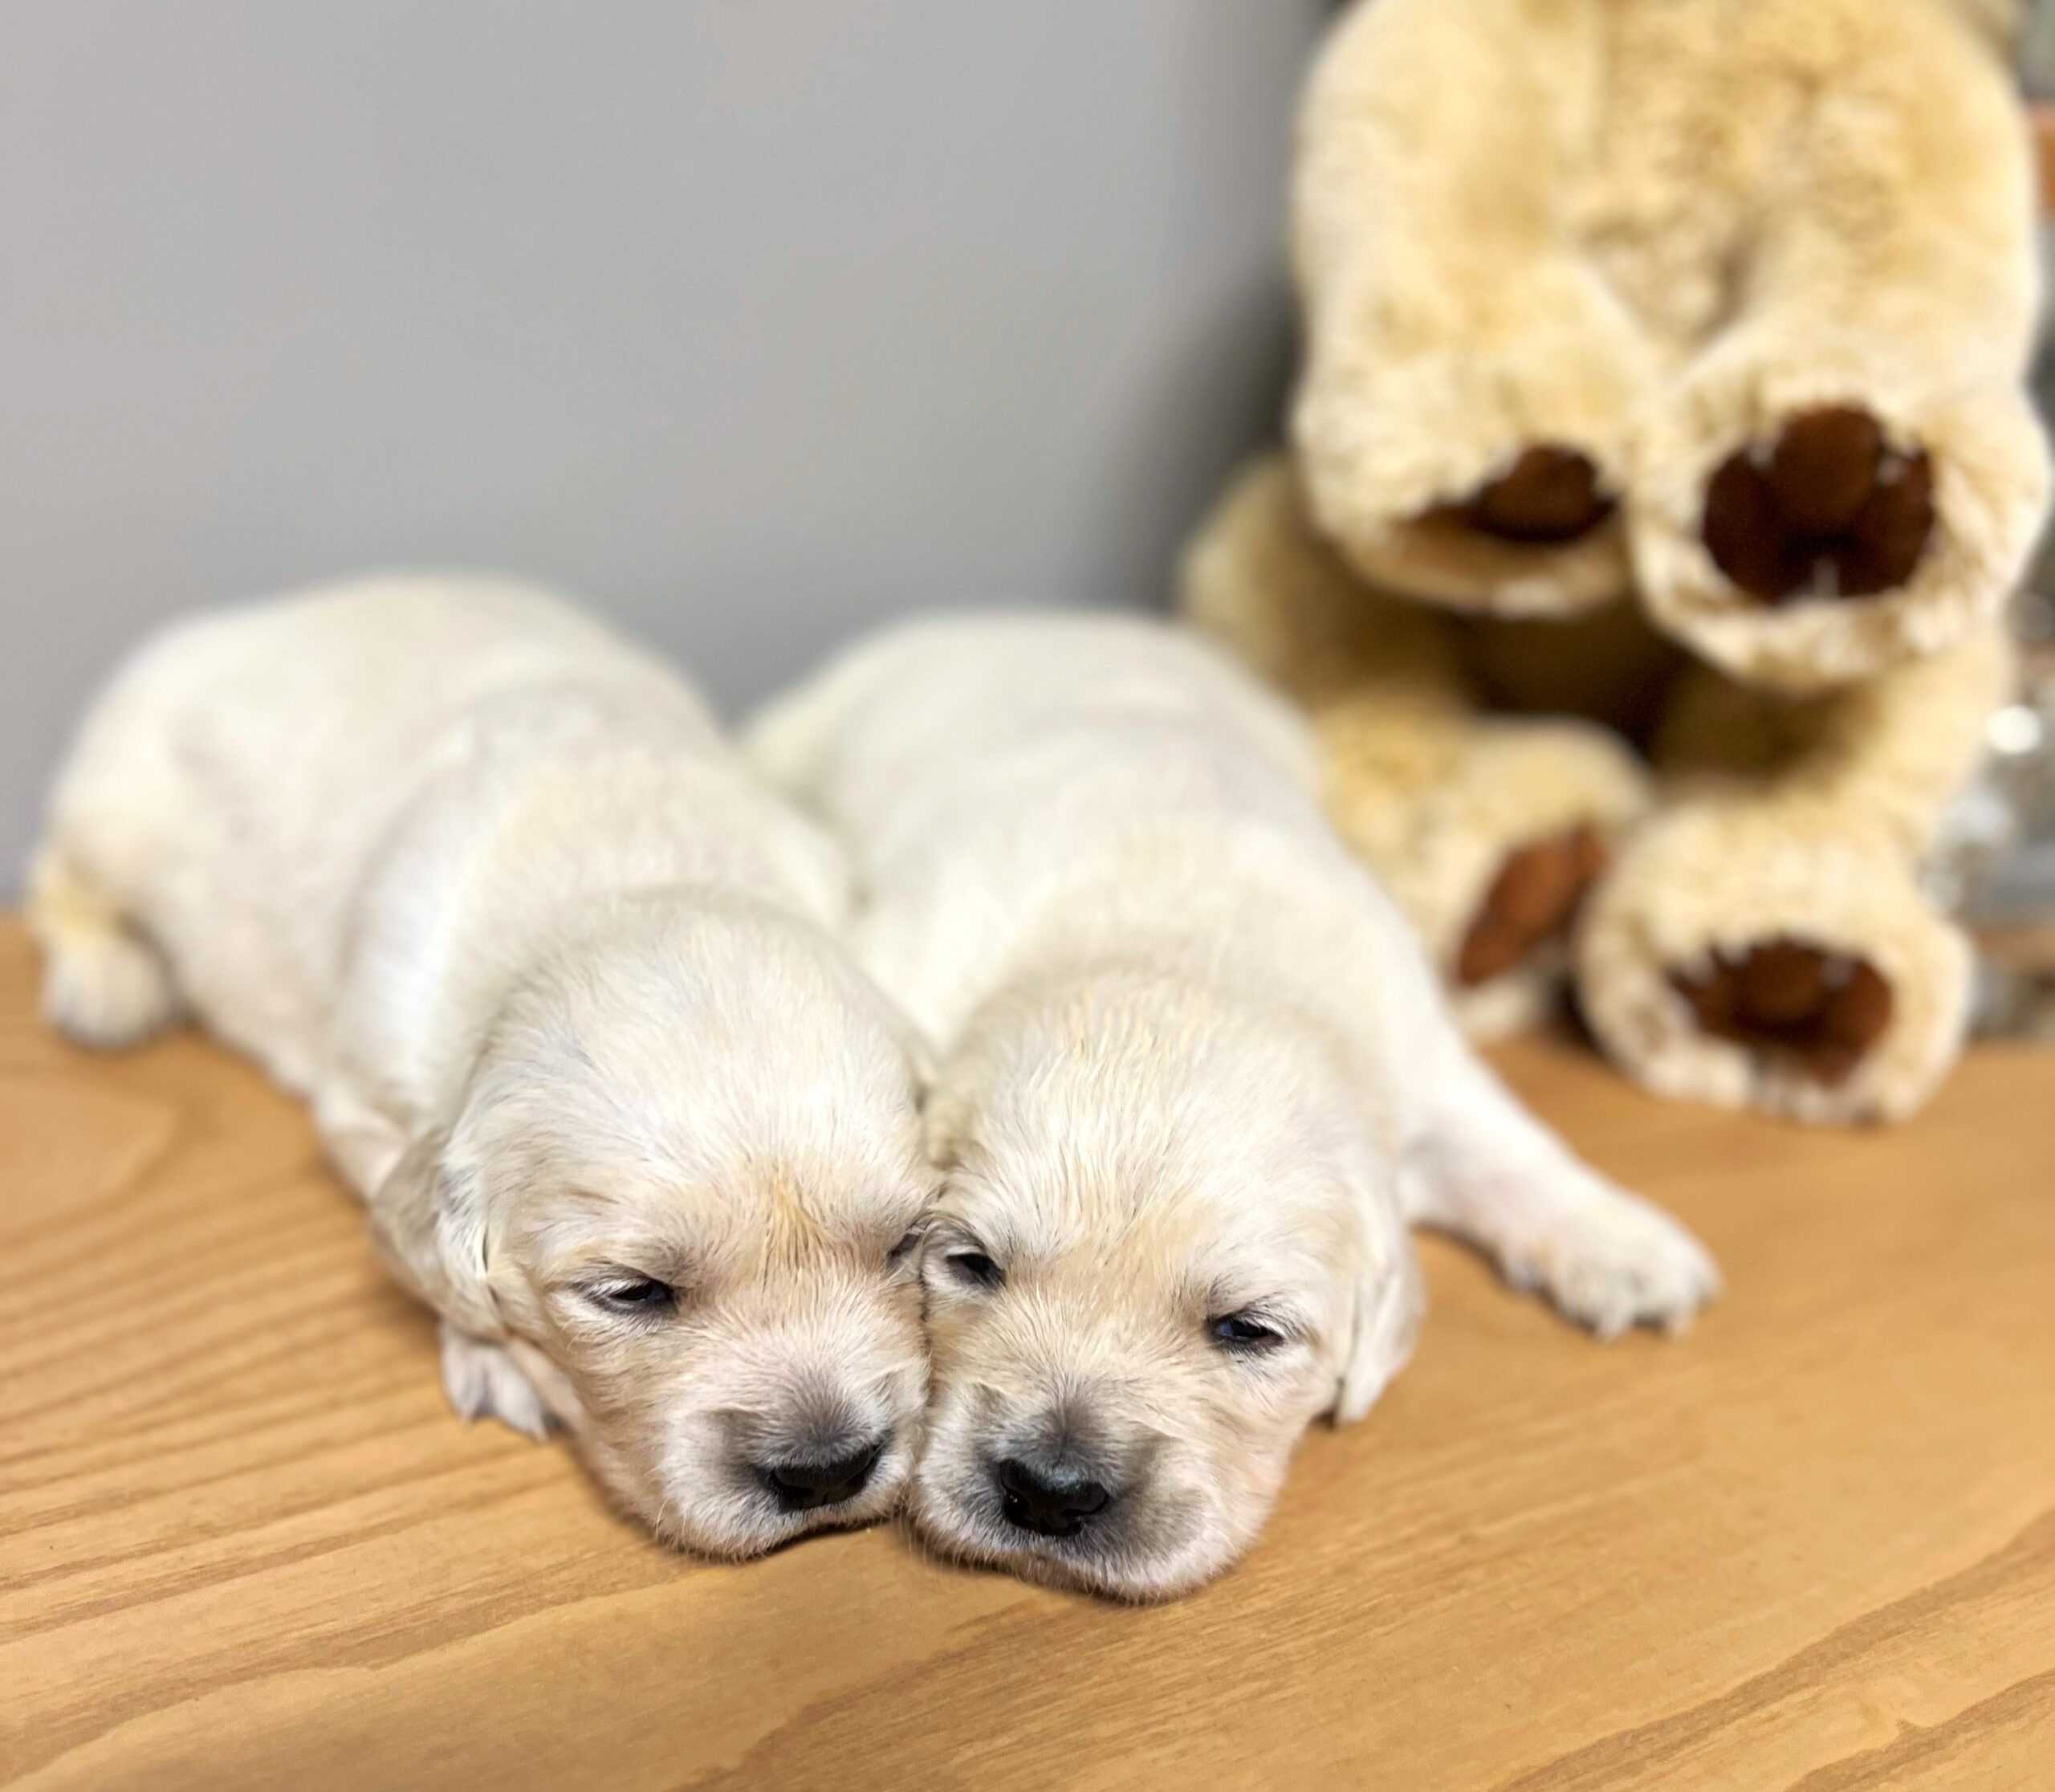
[801, 1486]
[1036, 1502]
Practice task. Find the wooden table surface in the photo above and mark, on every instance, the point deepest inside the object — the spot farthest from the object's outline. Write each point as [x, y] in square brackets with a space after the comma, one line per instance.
[242, 1540]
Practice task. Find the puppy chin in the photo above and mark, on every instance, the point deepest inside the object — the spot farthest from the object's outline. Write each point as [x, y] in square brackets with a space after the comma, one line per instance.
[957, 1515]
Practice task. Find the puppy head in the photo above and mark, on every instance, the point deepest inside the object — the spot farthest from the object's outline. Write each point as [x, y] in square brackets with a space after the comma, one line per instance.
[680, 1190]
[1159, 1253]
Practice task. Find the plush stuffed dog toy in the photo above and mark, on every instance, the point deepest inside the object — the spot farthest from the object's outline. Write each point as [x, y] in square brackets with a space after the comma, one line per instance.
[1662, 461]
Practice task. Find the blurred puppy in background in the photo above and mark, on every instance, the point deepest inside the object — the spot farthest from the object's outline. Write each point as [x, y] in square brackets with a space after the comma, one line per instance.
[484, 882]
[1195, 1083]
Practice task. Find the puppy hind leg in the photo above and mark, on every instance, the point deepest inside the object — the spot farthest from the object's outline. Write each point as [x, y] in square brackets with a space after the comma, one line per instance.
[1485, 1171]
[103, 985]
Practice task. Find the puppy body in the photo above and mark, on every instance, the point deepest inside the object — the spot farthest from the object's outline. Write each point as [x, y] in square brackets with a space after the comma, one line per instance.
[485, 883]
[1196, 1079]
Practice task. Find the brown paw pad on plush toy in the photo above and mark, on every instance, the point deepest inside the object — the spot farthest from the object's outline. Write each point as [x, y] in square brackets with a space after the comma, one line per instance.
[1549, 495]
[1829, 511]
[1533, 900]
[1825, 1009]
[1670, 390]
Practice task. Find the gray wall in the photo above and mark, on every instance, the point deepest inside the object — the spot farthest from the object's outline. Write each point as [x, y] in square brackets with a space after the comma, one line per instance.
[752, 320]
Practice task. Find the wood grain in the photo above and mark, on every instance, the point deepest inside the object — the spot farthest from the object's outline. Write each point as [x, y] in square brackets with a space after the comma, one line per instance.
[243, 1541]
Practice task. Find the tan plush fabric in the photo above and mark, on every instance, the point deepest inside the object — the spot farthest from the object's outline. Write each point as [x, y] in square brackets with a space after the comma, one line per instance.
[1725, 875]
[1795, 820]
[1662, 461]
[1757, 818]
[1653, 232]
[1434, 794]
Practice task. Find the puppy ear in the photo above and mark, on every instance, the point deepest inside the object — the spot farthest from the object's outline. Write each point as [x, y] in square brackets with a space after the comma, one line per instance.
[428, 1217]
[1390, 1301]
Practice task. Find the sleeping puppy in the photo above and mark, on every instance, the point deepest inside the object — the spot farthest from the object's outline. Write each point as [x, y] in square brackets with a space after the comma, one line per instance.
[1196, 1080]
[484, 883]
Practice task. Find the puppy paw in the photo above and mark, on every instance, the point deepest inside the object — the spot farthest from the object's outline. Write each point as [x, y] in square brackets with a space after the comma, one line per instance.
[1611, 1262]
[1823, 1010]
[483, 1382]
[1828, 510]
[1531, 903]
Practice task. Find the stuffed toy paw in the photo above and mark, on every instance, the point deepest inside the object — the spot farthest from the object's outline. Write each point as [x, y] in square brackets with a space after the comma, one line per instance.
[1751, 288]
[1661, 462]
[1747, 957]
[1765, 939]
[1487, 483]
[1804, 538]
[1488, 830]
[1492, 857]
[1728, 874]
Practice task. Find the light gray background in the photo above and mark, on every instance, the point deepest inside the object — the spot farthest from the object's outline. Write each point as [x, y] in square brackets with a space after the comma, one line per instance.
[752, 320]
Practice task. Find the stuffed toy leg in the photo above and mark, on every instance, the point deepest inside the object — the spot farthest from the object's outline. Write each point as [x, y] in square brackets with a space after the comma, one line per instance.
[1849, 474]
[1753, 284]
[1487, 830]
[1465, 411]
[1764, 941]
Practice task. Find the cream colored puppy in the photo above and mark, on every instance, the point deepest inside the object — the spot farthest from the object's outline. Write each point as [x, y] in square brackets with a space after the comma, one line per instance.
[485, 883]
[1196, 1080]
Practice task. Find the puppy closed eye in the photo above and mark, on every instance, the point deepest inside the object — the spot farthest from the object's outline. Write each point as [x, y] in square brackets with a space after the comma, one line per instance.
[975, 1269]
[640, 1297]
[903, 1252]
[1244, 1333]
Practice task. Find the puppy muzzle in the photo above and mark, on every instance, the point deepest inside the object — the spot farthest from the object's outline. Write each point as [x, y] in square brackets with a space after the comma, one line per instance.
[1065, 1474]
[824, 1451]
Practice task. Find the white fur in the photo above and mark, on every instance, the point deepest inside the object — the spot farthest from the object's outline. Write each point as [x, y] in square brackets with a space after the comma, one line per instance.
[485, 883]
[1193, 1064]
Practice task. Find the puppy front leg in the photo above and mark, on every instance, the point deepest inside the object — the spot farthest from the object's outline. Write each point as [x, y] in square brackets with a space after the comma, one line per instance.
[430, 1229]
[1484, 1169]
[483, 1381]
